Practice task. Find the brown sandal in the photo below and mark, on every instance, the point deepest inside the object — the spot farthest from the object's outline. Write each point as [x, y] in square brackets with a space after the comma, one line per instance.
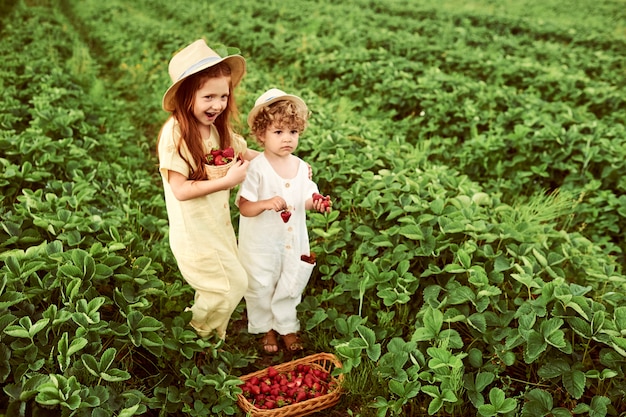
[269, 343]
[292, 342]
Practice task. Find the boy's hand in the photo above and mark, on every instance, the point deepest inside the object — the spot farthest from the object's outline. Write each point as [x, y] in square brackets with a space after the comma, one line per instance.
[276, 203]
[321, 203]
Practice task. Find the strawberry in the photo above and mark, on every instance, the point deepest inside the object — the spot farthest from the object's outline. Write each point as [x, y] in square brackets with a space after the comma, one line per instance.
[326, 203]
[219, 160]
[272, 372]
[275, 389]
[220, 157]
[285, 215]
[300, 395]
[310, 259]
[228, 153]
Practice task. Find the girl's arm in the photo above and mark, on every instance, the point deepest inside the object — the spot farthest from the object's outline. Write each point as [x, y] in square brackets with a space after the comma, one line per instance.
[186, 189]
[254, 208]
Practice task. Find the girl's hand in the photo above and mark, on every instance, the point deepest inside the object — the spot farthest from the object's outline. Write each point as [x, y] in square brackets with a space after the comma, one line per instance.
[237, 173]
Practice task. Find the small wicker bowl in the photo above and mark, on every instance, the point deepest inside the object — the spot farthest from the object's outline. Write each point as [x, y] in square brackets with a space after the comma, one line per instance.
[323, 361]
[217, 171]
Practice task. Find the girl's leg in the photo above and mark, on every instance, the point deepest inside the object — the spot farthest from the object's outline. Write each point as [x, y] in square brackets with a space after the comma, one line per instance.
[212, 310]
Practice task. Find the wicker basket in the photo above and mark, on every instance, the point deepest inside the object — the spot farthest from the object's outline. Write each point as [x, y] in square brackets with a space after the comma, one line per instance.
[323, 361]
[217, 171]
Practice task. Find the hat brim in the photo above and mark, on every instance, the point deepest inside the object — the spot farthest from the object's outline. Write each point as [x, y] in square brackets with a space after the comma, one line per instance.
[237, 65]
[289, 97]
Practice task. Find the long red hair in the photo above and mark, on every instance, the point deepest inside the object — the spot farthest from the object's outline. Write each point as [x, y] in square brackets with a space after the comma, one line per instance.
[183, 113]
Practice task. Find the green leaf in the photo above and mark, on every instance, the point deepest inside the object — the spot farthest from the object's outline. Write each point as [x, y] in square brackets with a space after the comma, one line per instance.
[412, 232]
[574, 383]
[535, 346]
[433, 320]
[107, 358]
[77, 344]
[553, 368]
[129, 411]
[483, 379]
[501, 264]
[464, 259]
[10, 298]
[538, 403]
[91, 364]
[599, 406]
[478, 322]
[437, 206]
[37, 327]
[487, 410]
[115, 375]
[317, 318]
[17, 331]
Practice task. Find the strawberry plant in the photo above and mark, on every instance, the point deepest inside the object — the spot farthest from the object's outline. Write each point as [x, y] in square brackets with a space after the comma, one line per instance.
[472, 263]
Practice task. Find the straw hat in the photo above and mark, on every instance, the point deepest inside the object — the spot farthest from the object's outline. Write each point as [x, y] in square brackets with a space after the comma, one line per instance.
[271, 96]
[194, 58]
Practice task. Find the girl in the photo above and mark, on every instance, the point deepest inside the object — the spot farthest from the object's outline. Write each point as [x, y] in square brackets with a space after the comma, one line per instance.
[201, 235]
[274, 248]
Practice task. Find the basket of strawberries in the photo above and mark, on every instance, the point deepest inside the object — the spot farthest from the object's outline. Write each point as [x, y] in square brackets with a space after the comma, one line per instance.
[297, 388]
[218, 162]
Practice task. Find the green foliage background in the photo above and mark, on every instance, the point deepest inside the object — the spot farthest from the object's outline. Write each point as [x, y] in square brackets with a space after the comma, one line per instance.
[475, 151]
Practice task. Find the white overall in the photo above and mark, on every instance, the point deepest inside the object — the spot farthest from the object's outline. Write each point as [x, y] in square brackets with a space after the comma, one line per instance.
[270, 249]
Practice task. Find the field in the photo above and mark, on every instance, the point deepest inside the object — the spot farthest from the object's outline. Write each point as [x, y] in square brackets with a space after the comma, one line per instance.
[476, 154]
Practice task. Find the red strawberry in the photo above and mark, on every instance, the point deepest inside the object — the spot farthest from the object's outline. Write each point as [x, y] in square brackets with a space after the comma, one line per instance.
[300, 395]
[219, 160]
[325, 201]
[285, 214]
[272, 372]
[215, 152]
[310, 259]
[228, 153]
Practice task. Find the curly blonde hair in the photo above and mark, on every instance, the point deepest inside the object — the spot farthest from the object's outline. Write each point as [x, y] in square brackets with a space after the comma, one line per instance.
[283, 113]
